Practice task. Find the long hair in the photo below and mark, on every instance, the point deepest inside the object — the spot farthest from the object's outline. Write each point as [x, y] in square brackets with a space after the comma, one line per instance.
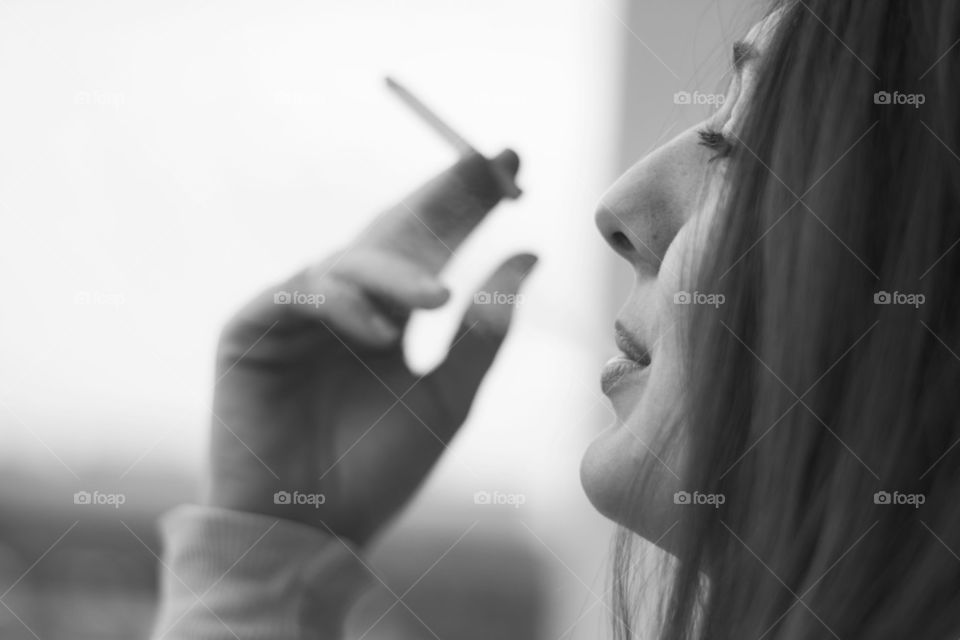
[823, 397]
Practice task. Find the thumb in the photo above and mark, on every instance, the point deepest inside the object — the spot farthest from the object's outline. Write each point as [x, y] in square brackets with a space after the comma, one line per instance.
[481, 332]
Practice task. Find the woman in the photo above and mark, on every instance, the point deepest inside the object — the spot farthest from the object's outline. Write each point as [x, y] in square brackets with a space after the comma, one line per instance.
[788, 390]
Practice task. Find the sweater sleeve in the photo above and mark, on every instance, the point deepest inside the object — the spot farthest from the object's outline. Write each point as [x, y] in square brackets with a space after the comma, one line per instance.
[228, 574]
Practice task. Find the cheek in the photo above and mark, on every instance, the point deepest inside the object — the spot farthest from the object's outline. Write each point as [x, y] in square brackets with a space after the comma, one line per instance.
[679, 265]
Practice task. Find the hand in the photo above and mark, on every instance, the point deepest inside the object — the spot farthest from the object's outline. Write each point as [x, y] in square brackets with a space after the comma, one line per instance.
[313, 397]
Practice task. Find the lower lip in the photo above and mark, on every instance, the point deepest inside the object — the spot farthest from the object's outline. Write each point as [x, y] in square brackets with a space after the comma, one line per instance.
[620, 370]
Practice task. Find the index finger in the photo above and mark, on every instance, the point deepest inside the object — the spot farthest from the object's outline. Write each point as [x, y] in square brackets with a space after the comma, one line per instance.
[428, 225]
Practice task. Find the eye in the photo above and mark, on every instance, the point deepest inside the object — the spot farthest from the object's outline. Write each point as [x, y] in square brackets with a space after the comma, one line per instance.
[714, 139]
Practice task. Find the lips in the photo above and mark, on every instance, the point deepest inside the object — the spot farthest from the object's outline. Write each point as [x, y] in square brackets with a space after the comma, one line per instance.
[632, 364]
[630, 347]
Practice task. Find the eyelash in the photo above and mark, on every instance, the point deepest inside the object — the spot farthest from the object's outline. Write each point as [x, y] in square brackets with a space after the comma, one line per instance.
[714, 139]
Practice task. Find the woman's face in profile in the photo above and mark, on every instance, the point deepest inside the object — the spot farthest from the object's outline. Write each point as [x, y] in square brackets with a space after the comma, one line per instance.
[655, 217]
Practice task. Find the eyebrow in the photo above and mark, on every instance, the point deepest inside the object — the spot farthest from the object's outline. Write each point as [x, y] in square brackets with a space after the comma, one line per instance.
[743, 52]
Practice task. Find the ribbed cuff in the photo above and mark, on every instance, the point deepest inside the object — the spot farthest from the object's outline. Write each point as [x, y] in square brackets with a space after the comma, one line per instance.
[227, 574]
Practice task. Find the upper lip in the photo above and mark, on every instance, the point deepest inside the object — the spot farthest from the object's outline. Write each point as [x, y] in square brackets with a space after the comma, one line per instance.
[628, 344]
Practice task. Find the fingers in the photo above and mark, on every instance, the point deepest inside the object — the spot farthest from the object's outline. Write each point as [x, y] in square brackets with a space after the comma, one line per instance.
[372, 294]
[428, 225]
[392, 280]
[288, 321]
[363, 296]
[482, 331]
[349, 312]
[367, 292]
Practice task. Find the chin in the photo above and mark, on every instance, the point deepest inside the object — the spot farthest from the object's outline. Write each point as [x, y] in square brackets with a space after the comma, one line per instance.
[610, 471]
[607, 472]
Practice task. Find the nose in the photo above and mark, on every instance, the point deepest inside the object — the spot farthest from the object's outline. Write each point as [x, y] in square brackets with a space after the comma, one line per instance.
[641, 213]
[632, 240]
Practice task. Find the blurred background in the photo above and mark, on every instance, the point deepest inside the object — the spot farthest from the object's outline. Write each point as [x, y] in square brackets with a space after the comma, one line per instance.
[161, 161]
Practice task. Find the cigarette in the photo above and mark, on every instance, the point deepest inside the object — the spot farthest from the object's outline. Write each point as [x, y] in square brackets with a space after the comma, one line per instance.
[458, 142]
